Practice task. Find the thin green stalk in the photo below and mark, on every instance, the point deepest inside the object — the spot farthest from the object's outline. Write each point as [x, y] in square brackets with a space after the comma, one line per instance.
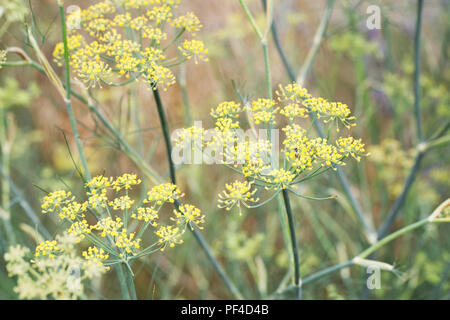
[68, 101]
[250, 18]
[417, 57]
[277, 43]
[267, 68]
[297, 280]
[230, 285]
[398, 204]
[5, 148]
[130, 281]
[25, 205]
[316, 42]
[127, 148]
[122, 282]
[165, 129]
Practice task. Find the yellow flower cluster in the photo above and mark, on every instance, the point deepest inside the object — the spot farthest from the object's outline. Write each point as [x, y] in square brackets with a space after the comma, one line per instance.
[189, 22]
[112, 42]
[48, 248]
[300, 103]
[146, 214]
[236, 193]
[109, 226]
[188, 214]
[121, 203]
[127, 242]
[194, 48]
[55, 200]
[95, 256]
[169, 236]
[263, 111]
[330, 110]
[126, 181]
[280, 178]
[227, 109]
[351, 146]
[79, 229]
[110, 199]
[162, 193]
[255, 158]
[51, 276]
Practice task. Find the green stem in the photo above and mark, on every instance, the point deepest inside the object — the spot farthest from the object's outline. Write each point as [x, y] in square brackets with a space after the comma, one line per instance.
[130, 281]
[417, 56]
[68, 102]
[165, 129]
[25, 205]
[250, 18]
[122, 282]
[5, 148]
[219, 269]
[128, 149]
[398, 204]
[267, 68]
[297, 280]
[316, 43]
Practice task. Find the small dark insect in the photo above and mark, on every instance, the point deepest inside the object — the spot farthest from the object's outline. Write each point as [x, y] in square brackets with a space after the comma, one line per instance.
[296, 152]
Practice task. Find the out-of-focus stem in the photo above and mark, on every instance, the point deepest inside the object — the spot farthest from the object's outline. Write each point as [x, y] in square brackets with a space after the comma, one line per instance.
[417, 57]
[316, 42]
[5, 148]
[360, 258]
[68, 101]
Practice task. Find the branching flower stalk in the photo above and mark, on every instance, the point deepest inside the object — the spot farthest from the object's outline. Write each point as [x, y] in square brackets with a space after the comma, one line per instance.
[304, 71]
[252, 157]
[269, 8]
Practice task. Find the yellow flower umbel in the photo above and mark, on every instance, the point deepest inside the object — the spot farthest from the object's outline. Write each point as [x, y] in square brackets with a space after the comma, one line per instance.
[237, 193]
[169, 236]
[255, 158]
[124, 38]
[263, 111]
[110, 200]
[188, 215]
[50, 273]
[49, 248]
[94, 259]
[166, 192]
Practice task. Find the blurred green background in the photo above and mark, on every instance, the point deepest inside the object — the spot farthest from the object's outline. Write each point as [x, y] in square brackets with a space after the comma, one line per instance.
[370, 70]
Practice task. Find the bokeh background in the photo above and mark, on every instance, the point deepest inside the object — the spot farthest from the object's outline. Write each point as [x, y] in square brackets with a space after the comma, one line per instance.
[370, 70]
